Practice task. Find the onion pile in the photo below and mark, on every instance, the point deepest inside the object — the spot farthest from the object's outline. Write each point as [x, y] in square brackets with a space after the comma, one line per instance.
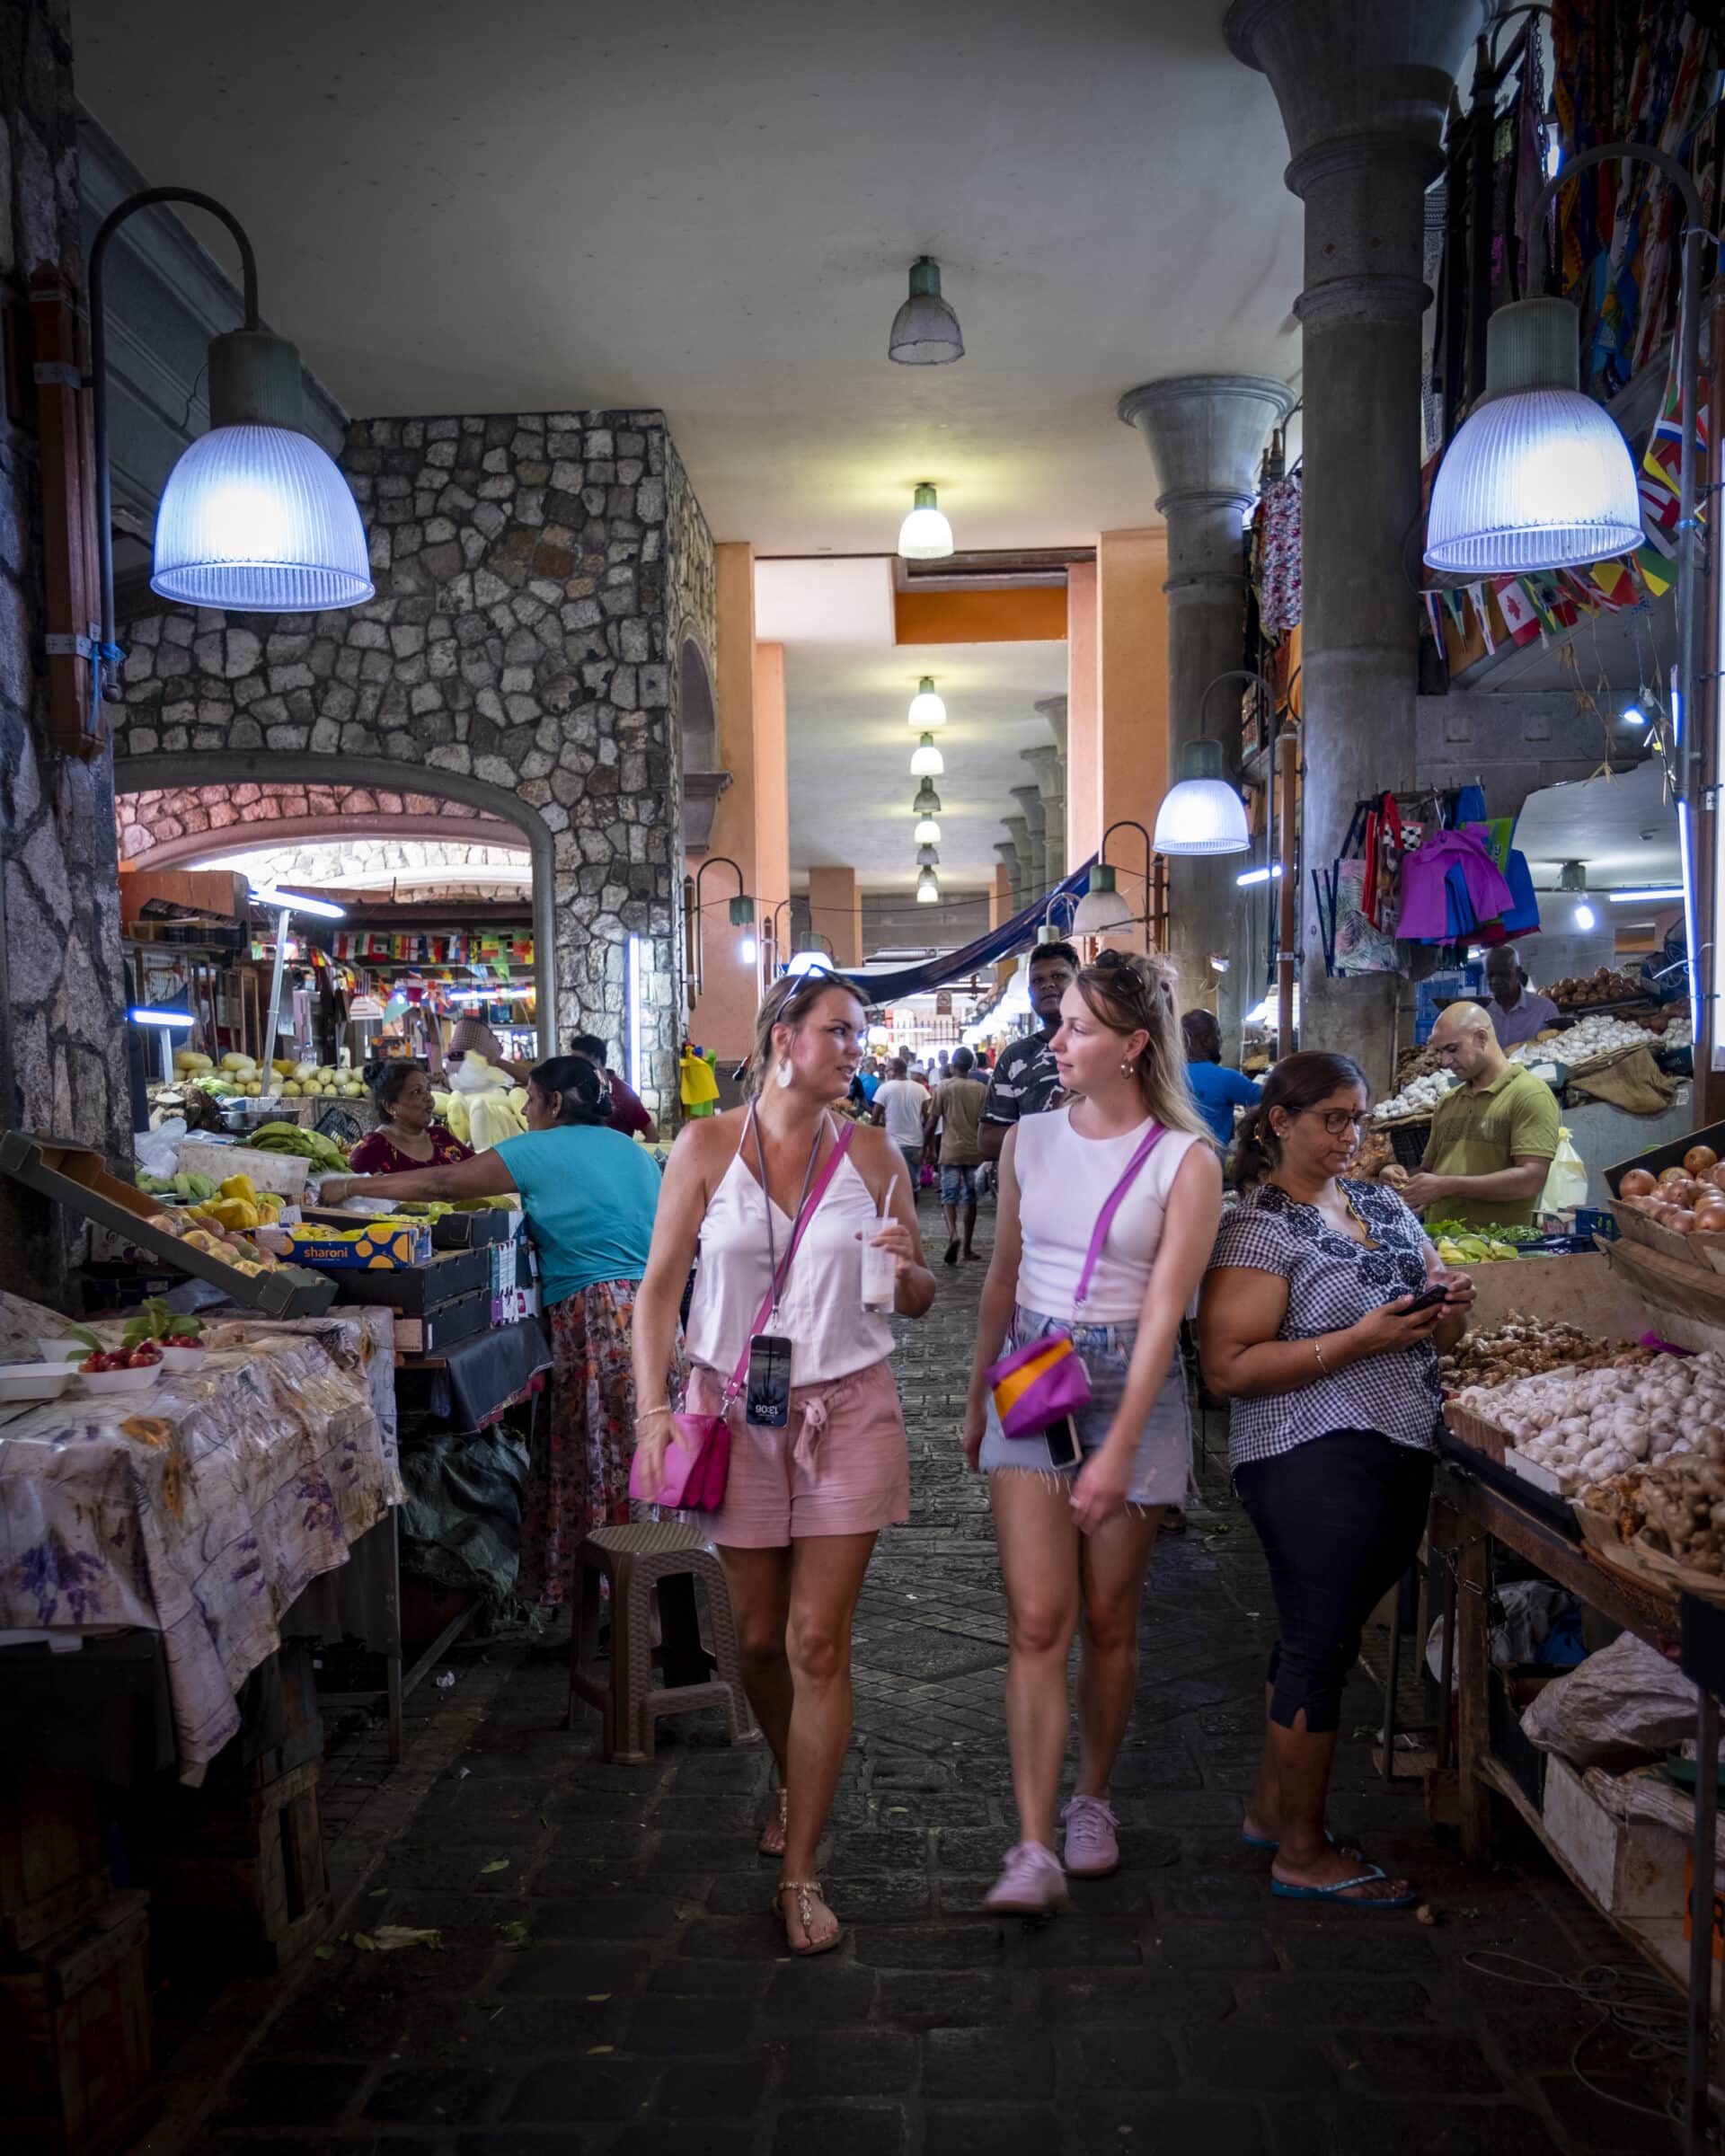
[1689, 1200]
[1585, 1426]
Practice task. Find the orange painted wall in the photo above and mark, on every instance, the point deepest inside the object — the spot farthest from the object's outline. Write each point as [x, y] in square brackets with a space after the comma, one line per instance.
[771, 785]
[836, 912]
[1033, 613]
[1083, 717]
[1132, 678]
[1000, 897]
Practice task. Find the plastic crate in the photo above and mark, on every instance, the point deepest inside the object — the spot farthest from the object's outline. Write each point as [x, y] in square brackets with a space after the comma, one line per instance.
[1408, 1142]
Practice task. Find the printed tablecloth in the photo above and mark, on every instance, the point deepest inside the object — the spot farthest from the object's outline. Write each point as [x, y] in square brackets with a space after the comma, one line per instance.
[201, 1508]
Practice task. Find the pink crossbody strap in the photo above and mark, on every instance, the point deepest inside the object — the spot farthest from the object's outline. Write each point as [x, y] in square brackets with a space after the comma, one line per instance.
[1111, 1206]
[826, 1176]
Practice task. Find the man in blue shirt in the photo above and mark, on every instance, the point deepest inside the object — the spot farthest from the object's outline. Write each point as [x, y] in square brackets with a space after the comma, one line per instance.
[1217, 1090]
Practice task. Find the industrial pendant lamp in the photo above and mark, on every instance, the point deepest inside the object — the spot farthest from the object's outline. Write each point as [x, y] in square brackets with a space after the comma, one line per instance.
[924, 330]
[1201, 813]
[928, 888]
[927, 709]
[1539, 476]
[927, 761]
[927, 858]
[928, 831]
[1102, 907]
[924, 536]
[927, 801]
[1573, 876]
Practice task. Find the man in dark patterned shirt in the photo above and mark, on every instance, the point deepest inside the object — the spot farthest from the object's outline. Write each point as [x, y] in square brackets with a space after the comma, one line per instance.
[1025, 1081]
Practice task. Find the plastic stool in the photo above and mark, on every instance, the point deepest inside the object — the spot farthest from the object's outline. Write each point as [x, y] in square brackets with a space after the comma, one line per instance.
[635, 1560]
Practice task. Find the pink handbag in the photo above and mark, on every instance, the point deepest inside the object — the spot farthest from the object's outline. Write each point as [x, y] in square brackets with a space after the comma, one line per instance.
[1044, 1379]
[697, 1460]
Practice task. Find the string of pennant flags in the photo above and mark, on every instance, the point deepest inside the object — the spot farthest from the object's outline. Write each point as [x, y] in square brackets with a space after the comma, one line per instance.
[390, 948]
[1518, 609]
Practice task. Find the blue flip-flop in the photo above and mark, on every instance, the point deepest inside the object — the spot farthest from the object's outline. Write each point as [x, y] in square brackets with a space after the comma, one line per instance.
[1261, 1842]
[1341, 1892]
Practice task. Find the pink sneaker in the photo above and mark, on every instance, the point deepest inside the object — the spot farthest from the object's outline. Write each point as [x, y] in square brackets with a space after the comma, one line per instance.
[1092, 1850]
[1030, 1884]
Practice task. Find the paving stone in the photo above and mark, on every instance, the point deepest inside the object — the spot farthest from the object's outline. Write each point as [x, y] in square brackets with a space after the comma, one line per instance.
[840, 2130]
[1413, 2063]
[987, 2064]
[849, 2063]
[574, 1970]
[819, 1992]
[934, 1946]
[689, 2028]
[712, 1979]
[1264, 2060]
[1140, 1998]
[424, 2096]
[1071, 1940]
[978, 2130]
[1195, 1944]
[607, 1916]
[1586, 2122]
[1120, 2058]
[508, 2141]
[1457, 2129]
[1392, 1947]
[1349, 2003]
[1108, 2125]
[944, 1999]
[571, 2091]
[670, 2137]
[274, 2093]
[712, 2089]
[1213, 1894]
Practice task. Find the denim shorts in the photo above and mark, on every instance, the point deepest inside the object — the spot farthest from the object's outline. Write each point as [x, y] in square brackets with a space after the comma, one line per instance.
[957, 1184]
[1164, 1464]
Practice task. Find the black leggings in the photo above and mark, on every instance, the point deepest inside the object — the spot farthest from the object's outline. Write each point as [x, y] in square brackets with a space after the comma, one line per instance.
[1341, 1518]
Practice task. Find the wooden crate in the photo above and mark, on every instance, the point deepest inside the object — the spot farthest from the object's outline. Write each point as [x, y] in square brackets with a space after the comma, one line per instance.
[75, 2035]
[243, 1868]
[52, 1874]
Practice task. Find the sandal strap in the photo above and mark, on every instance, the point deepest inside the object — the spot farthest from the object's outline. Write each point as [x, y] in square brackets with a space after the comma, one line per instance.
[1368, 1877]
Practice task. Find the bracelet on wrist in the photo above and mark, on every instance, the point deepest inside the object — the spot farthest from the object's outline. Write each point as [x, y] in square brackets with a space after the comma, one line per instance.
[1317, 1349]
[647, 1413]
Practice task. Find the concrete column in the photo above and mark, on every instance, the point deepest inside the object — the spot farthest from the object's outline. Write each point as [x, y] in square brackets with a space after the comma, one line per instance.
[1000, 895]
[836, 912]
[773, 788]
[1016, 853]
[1363, 86]
[1051, 789]
[1205, 433]
[1132, 674]
[1083, 714]
[1029, 807]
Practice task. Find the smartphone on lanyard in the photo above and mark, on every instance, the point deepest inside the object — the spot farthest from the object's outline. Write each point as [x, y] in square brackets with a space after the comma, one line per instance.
[1064, 1449]
[767, 1401]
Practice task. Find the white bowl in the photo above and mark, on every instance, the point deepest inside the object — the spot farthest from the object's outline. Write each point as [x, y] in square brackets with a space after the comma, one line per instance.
[120, 1381]
[184, 1358]
[56, 1351]
[33, 1381]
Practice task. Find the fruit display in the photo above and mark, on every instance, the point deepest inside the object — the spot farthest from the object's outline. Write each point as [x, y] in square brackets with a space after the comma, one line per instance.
[1457, 1245]
[1525, 1346]
[145, 1355]
[1577, 991]
[190, 1190]
[1587, 1039]
[328, 1156]
[484, 1108]
[1585, 1426]
[156, 1325]
[1417, 1097]
[1689, 1200]
[314, 1080]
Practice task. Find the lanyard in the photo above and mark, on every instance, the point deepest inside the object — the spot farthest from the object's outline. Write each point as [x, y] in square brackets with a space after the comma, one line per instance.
[808, 1177]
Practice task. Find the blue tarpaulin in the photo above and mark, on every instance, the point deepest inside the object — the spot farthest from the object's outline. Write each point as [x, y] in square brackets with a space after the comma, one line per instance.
[1015, 934]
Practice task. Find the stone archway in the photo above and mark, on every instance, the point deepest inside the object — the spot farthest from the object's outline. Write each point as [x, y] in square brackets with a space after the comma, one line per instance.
[702, 779]
[251, 767]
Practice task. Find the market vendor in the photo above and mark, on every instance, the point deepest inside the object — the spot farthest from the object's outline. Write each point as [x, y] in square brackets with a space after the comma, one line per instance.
[473, 1036]
[589, 1194]
[1492, 1139]
[408, 1134]
[1517, 1012]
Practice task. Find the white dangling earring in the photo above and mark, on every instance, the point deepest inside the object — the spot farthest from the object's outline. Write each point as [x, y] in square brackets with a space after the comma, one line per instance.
[1126, 1070]
[782, 1075]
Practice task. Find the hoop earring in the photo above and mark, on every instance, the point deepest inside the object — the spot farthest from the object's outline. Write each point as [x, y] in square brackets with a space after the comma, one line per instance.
[781, 1076]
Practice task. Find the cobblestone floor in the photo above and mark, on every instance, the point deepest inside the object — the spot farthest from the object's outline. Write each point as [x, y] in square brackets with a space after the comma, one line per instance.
[611, 1980]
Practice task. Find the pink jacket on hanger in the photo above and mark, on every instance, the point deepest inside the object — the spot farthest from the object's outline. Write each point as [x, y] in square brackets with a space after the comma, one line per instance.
[1425, 895]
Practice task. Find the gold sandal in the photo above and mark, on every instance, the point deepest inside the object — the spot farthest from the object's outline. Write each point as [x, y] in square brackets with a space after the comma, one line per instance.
[806, 1891]
[772, 1841]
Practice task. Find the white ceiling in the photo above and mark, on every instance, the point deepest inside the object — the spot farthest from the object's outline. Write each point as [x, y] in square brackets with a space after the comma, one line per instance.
[850, 749]
[714, 210]
[1622, 829]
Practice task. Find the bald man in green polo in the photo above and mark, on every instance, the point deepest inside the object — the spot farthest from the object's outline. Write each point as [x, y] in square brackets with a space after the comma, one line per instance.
[1493, 1138]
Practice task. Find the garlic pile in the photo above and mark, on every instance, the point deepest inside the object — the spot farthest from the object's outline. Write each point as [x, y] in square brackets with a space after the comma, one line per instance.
[1599, 1034]
[1417, 1097]
[1583, 1426]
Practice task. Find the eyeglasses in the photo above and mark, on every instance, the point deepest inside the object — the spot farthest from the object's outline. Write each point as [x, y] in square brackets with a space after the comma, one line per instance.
[1338, 1121]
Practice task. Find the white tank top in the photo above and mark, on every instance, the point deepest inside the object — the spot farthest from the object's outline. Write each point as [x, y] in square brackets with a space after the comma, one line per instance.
[1064, 1182]
[822, 1312]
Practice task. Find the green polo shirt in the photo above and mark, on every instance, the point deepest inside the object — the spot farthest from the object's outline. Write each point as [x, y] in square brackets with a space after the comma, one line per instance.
[1482, 1133]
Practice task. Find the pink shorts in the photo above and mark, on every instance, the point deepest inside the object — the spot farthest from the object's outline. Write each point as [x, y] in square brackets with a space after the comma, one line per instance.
[840, 1466]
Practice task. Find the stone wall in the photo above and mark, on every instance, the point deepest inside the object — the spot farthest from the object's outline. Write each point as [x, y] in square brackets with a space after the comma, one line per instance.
[175, 824]
[62, 988]
[1510, 743]
[526, 566]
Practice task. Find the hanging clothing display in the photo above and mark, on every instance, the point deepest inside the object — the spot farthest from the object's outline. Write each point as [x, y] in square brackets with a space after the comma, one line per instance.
[1278, 568]
[1448, 886]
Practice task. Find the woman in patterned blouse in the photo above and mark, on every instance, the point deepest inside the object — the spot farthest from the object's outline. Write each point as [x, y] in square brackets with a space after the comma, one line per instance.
[1311, 1324]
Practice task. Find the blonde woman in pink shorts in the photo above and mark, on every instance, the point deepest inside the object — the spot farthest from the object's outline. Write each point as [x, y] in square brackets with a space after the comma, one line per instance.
[804, 1502]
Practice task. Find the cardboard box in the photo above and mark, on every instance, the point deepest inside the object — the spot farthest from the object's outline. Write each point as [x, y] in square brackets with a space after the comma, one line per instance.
[444, 1326]
[385, 1246]
[438, 1278]
[1630, 1867]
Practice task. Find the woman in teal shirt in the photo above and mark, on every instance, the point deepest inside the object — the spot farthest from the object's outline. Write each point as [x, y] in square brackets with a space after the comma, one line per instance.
[589, 1194]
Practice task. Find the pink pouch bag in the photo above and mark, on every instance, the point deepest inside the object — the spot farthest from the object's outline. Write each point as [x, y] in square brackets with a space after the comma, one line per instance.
[697, 1460]
[1044, 1379]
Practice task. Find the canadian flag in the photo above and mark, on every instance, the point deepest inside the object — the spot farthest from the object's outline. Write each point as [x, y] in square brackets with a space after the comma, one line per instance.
[1520, 616]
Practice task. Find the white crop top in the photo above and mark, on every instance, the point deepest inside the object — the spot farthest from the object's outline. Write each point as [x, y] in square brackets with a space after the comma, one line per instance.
[822, 1313]
[1064, 1182]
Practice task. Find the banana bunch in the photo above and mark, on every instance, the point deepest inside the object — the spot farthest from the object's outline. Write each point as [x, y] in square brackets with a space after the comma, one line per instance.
[325, 1154]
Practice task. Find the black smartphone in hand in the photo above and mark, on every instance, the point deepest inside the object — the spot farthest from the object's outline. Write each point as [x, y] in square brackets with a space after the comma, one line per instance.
[1438, 1291]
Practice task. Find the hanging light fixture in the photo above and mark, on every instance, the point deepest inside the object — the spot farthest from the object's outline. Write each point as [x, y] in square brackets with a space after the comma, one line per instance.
[927, 709]
[927, 761]
[1573, 876]
[927, 858]
[924, 330]
[928, 888]
[927, 801]
[928, 831]
[1102, 907]
[924, 536]
[1539, 476]
[1201, 813]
